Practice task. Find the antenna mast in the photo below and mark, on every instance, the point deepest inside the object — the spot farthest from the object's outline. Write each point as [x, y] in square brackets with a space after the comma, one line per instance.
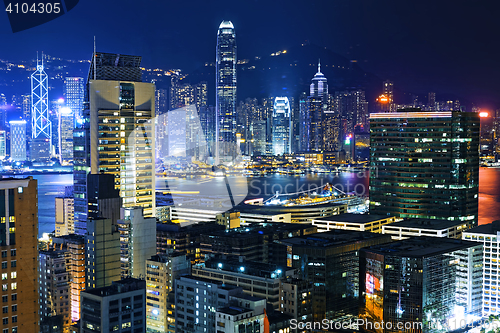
[95, 60]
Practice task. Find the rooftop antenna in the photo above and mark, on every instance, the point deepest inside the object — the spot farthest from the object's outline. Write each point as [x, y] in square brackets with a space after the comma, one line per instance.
[319, 65]
[36, 58]
[94, 60]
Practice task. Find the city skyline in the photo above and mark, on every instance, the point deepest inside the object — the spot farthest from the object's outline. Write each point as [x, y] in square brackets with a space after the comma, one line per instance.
[270, 164]
[383, 43]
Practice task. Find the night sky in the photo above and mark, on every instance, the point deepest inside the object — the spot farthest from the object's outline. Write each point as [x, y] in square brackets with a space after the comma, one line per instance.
[450, 47]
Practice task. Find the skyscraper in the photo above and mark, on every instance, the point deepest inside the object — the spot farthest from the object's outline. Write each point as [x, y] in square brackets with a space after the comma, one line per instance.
[311, 114]
[123, 143]
[161, 273]
[226, 90]
[65, 224]
[65, 128]
[200, 95]
[54, 286]
[425, 164]
[424, 284]
[431, 104]
[116, 135]
[18, 245]
[3, 111]
[74, 247]
[102, 243]
[3, 144]
[41, 126]
[18, 140]
[281, 126]
[138, 241]
[74, 93]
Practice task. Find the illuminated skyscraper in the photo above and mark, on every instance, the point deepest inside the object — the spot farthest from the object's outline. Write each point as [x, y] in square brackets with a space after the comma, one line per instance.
[281, 126]
[180, 94]
[108, 70]
[18, 140]
[389, 90]
[3, 111]
[116, 136]
[225, 90]
[200, 95]
[3, 144]
[311, 114]
[41, 126]
[425, 164]
[74, 93]
[432, 101]
[66, 125]
[319, 85]
[161, 101]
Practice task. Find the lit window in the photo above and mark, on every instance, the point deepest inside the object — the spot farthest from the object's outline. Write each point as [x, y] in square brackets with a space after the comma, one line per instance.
[13, 286]
[13, 275]
[4, 276]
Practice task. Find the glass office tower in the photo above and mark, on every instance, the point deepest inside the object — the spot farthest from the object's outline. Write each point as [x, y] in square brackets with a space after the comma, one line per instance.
[281, 126]
[226, 90]
[116, 135]
[425, 164]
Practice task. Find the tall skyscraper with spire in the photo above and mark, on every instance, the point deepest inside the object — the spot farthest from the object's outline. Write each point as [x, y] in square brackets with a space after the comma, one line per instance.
[226, 91]
[41, 126]
[311, 114]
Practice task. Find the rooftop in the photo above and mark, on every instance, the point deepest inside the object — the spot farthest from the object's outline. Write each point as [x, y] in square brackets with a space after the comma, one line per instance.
[202, 279]
[420, 247]
[261, 228]
[234, 310]
[426, 224]
[118, 287]
[334, 238]
[354, 218]
[490, 228]
[235, 264]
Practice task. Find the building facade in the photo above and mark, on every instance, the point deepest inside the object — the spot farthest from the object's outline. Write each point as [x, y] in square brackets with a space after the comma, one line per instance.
[120, 307]
[281, 126]
[18, 246]
[41, 126]
[161, 273]
[54, 286]
[74, 248]
[226, 90]
[64, 216]
[489, 236]
[74, 94]
[425, 164]
[331, 261]
[103, 253]
[106, 127]
[18, 141]
[420, 281]
[137, 241]
[65, 137]
[197, 300]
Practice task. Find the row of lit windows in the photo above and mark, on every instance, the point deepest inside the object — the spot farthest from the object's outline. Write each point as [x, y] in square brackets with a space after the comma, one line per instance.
[13, 275]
